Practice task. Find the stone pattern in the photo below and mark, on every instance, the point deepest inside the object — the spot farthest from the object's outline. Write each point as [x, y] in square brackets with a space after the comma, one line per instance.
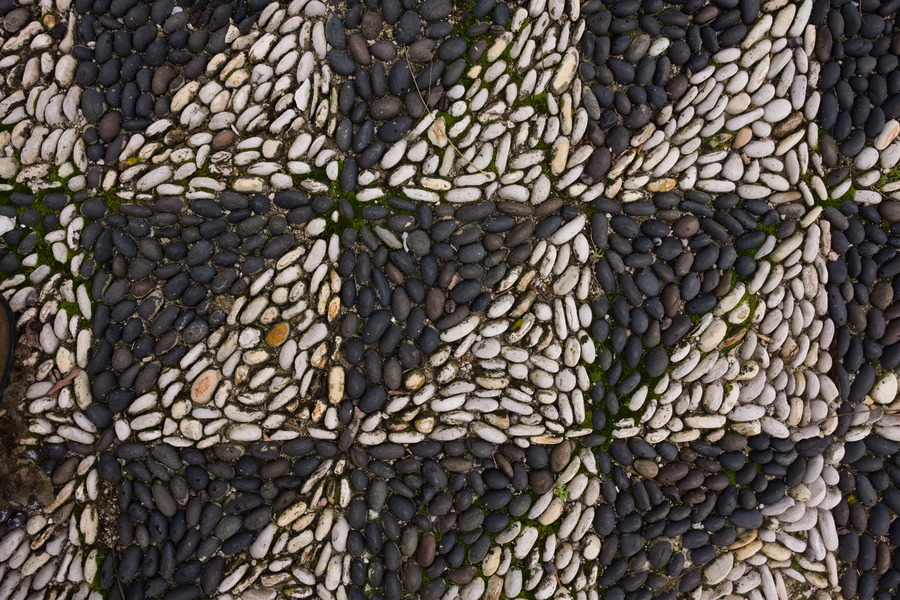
[445, 299]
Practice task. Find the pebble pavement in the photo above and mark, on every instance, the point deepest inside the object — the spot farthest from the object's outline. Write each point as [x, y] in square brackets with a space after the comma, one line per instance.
[452, 300]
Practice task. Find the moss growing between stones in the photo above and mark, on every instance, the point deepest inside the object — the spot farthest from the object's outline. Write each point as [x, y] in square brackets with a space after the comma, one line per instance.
[319, 174]
[889, 176]
[538, 102]
[449, 120]
[203, 171]
[71, 308]
[102, 556]
[15, 187]
[335, 192]
[561, 492]
[714, 143]
[850, 194]
[464, 18]
[732, 477]
[768, 229]
[597, 374]
[42, 249]
[112, 200]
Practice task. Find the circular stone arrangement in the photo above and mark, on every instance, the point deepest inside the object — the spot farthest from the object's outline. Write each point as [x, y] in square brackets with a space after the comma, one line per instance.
[446, 299]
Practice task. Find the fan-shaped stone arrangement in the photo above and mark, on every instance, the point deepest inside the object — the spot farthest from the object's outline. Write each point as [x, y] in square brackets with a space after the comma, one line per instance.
[450, 299]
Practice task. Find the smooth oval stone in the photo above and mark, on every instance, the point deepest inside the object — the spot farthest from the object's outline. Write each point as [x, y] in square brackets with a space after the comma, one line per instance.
[394, 129]
[746, 518]
[341, 62]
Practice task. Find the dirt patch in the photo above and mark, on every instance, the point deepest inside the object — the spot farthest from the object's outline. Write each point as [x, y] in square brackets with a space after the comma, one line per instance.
[21, 480]
[107, 504]
[223, 302]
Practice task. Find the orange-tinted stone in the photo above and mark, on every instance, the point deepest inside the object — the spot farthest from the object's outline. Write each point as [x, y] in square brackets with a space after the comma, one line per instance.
[277, 334]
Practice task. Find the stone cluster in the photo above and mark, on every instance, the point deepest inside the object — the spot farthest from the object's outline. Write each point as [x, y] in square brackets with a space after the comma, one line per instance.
[451, 299]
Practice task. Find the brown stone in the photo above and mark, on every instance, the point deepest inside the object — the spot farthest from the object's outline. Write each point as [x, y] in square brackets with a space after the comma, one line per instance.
[516, 209]
[646, 468]
[385, 108]
[371, 25]
[672, 472]
[141, 288]
[359, 50]
[16, 19]
[462, 575]
[541, 481]
[426, 550]
[548, 208]
[788, 126]
[422, 51]
[560, 455]
[162, 77]
[223, 139]
[434, 303]
[686, 227]
[110, 125]
[457, 464]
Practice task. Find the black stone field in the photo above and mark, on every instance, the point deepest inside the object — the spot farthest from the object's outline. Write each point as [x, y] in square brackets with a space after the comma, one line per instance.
[450, 299]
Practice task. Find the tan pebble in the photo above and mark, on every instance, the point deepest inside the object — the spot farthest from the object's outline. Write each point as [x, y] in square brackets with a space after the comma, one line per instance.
[318, 412]
[788, 126]
[501, 422]
[734, 339]
[425, 425]
[743, 539]
[776, 552]
[319, 356]
[545, 440]
[414, 380]
[334, 308]
[205, 385]
[743, 136]
[560, 156]
[713, 335]
[890, 131]
[747, 551]
[335, 385]
[647, 468]
[437, 133]
[661, 185]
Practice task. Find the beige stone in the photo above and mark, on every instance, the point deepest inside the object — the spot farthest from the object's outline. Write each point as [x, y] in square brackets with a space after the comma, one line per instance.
[336, 385]
[662, 185]
[205, 385]
[713, 335]
[776, 552]
[745, 552]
